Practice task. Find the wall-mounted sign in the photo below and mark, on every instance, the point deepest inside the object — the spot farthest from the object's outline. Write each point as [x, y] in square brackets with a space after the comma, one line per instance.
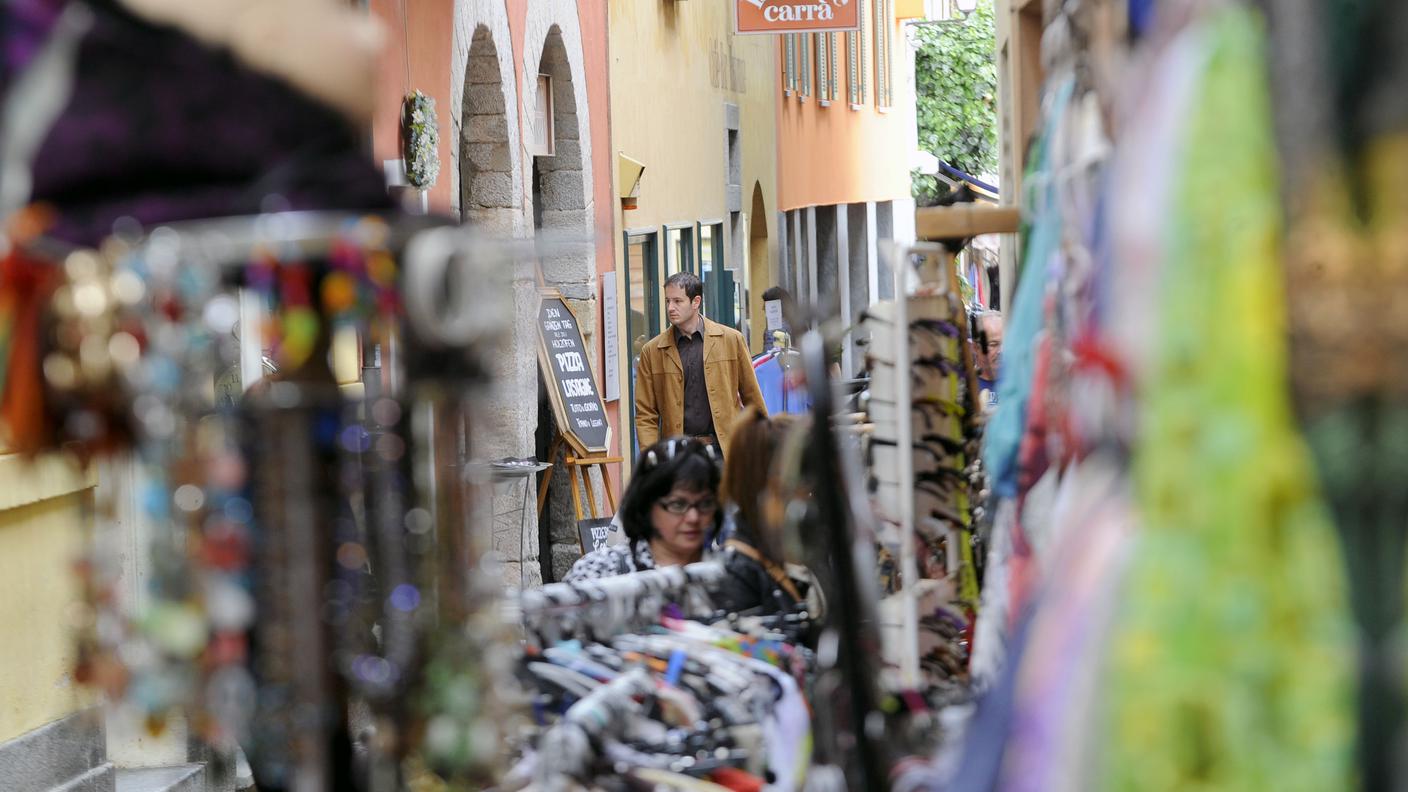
[795, 16]
[580, 413]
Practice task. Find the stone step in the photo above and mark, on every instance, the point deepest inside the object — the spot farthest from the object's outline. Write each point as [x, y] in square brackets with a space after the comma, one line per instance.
[98, 779]
[66, 754]
[180, 778]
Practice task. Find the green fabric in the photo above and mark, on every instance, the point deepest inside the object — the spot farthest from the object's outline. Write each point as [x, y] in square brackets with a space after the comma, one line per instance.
[1361, 450]
[1231, 663]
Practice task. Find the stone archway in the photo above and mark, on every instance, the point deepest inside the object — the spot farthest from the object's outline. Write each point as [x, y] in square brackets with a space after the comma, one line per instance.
[561, 192]
[488, 193]
[490, 189]
[484, 117]
[561, 210]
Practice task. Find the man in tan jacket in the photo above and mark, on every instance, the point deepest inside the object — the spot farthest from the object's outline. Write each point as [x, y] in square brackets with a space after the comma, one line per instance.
[694, 378]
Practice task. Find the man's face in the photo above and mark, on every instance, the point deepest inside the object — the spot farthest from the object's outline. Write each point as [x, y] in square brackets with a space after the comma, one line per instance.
[988, 361]
[679, 309]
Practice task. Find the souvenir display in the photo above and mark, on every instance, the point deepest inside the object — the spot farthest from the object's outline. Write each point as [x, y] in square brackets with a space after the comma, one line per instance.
[935, 489]
[1151, 538]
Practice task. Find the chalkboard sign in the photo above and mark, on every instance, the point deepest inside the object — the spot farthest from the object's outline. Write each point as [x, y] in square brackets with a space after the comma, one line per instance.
[597, 533]
[580, 413]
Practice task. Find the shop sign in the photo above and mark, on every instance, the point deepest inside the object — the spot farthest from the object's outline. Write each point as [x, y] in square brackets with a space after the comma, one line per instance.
[599, 532]
[562, 355]
[795, 16]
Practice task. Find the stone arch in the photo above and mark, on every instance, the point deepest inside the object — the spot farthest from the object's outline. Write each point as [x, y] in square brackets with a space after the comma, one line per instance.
[488, 153]
[487, 171]
[487, 175]
[561, 191]
[561, 209]
[564, 203]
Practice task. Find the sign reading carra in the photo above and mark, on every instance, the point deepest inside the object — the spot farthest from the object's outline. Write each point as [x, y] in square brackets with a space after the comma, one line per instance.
[795, 16]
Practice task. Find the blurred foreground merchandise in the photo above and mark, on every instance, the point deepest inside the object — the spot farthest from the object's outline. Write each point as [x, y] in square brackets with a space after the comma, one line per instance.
[1177, 611]
[306, 571]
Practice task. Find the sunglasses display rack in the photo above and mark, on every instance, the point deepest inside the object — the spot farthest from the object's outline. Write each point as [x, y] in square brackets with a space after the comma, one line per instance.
[630, 685]
[922, 465]
[309, 548]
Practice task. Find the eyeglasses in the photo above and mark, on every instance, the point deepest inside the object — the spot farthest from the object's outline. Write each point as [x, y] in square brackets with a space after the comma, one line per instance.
[678, 506]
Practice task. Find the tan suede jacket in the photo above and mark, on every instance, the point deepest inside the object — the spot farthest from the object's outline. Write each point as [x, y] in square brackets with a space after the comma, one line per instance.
[728, 375]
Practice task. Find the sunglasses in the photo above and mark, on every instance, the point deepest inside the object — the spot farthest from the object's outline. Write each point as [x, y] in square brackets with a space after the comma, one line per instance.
[675, 447]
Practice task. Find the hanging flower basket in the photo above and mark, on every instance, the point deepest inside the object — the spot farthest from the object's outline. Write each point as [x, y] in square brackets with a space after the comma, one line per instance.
[420, 140]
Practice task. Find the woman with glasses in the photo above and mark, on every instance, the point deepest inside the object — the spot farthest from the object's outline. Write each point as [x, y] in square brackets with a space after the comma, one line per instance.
[669, 512]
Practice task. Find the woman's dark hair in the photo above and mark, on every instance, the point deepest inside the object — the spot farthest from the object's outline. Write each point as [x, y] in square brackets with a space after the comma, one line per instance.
[677, 462]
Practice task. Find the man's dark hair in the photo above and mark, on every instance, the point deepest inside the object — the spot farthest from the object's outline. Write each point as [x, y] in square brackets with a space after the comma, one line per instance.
[693, 287]
[775, 293]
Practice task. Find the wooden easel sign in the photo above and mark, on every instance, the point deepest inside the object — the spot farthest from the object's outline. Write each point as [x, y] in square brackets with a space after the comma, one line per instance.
[576, 404]
[599, 532]
[562, 355]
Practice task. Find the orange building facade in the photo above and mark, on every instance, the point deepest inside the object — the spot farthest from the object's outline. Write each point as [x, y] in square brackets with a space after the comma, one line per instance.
[846, 137]
[521, 93]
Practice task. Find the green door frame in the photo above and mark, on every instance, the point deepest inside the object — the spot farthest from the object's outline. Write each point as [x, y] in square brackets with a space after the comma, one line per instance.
[650, 237]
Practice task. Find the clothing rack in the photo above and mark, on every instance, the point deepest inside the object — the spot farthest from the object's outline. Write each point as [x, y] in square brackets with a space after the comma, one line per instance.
[567, 748]
[621, 600]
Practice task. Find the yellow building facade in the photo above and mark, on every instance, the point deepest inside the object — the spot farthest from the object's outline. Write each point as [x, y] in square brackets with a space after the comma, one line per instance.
[43, 505]
[693, 125]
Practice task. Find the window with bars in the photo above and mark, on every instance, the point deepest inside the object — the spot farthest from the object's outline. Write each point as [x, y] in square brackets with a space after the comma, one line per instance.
[884, 26]
[789, 63]
[832, 45]
[825, 67]
[806, 64]
[856, 61]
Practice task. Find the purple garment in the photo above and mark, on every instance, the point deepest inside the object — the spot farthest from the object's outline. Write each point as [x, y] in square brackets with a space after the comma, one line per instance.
[162, 128]
[26, 24]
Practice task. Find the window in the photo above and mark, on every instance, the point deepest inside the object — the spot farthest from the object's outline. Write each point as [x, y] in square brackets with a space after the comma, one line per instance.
[827, 78]
[855, 60]
[679, 249]
[711, 248]
[542, 141]
[789, 63]
[833, 43]
[806, 64]
[719, 302]
[884, 25]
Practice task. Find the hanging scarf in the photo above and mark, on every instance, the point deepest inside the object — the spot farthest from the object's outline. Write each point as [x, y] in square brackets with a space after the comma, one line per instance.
[1230, 664]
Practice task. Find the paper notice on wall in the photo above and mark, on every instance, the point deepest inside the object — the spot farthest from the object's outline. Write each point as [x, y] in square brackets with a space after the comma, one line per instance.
[611, 338]
[772, 309]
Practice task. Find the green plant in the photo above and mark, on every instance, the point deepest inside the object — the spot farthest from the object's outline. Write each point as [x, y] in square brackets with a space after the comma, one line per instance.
[956, 84]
